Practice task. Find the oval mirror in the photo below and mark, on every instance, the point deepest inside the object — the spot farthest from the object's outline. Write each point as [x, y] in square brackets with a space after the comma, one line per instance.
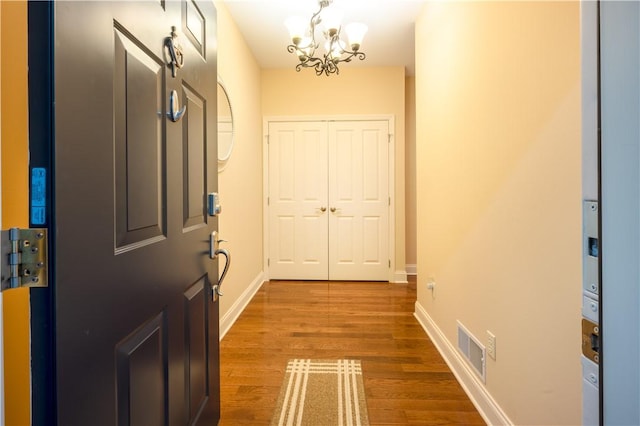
[225, 126]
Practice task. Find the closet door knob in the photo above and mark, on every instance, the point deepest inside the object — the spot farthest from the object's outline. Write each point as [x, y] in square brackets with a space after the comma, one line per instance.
[333, 209]
[323, 209]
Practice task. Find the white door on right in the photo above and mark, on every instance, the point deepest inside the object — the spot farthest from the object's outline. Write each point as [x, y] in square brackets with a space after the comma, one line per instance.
[359, 200]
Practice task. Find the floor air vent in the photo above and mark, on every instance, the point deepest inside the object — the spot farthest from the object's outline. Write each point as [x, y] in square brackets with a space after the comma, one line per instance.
[472, 350]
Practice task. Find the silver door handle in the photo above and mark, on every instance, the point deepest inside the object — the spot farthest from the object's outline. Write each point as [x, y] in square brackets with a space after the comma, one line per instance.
[214, 244]
[214, 251]
[175, 112]
[216, 290]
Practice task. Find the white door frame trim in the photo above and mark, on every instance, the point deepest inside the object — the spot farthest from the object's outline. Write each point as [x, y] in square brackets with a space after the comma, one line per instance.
[327, 118]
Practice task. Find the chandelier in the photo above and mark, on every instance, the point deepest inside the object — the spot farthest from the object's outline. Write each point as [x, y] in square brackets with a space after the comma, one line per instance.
[303, 36]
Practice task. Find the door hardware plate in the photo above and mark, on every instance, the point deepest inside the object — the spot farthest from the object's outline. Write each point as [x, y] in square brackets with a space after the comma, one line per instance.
[24, 258]
[590, 340]
[213, 204]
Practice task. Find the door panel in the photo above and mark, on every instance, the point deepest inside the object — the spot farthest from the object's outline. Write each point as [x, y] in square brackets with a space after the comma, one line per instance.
[195, 26]
[194, 154]
[196, 368]
[141, 382]
[136, 329]
[359, 193]
[298, 192]
[138, 89]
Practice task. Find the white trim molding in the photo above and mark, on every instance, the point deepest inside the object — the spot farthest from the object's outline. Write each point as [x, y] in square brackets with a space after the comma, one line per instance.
[488, 408]
[227, 321]
[412, 269]
[400, 277]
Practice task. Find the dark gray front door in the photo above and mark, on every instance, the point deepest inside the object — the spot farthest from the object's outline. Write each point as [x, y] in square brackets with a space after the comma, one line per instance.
[136, 329]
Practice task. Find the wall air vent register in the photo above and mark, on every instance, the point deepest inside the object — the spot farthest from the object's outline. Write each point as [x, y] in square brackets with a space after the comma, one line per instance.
[472, 350]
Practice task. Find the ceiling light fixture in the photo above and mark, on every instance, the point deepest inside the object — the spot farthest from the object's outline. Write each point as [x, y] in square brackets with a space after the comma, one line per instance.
[304, 40]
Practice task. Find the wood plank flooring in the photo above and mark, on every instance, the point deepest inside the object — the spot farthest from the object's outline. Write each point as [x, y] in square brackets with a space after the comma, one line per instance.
[406, 380]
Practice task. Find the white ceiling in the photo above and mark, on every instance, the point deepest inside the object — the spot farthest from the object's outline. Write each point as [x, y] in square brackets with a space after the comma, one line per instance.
[389, 41]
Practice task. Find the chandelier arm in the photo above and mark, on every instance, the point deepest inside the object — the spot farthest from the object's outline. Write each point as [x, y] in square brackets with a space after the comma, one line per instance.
[300, 50]
[351, 55]
[333, 68]
[313, 62]
[309, 63]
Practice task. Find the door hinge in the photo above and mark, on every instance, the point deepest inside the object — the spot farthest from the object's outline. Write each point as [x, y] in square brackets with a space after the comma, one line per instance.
[268, 262]
[389, 263]
[389, 200]
[268, 201]
[24, 258]
[389, 138]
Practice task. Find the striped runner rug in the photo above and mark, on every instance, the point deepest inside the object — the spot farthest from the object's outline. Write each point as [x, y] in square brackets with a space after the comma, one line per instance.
[323, 393]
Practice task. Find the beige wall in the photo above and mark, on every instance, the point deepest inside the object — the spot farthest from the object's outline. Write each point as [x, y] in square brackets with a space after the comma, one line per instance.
[499, 193]
[410, 171]
[240, 182]
[355, 91]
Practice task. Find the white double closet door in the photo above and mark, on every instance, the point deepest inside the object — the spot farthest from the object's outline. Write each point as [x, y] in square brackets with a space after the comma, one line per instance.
[329, 200]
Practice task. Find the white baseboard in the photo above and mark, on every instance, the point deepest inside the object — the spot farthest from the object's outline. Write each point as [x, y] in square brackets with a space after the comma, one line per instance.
[400, 277]
[412, 269]
[238, 307]
[477, 392]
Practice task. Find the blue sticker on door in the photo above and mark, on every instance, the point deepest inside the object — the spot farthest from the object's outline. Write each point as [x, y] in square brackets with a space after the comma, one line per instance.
[38, 195]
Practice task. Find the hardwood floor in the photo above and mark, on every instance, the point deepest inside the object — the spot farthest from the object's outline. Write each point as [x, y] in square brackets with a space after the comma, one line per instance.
[406, 380]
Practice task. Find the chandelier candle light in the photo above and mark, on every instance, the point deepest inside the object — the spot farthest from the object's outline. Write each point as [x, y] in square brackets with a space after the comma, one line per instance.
[304, 40]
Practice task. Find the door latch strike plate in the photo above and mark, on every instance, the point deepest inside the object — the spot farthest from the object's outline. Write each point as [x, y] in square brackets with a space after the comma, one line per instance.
[591, 340]
[24, 258]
